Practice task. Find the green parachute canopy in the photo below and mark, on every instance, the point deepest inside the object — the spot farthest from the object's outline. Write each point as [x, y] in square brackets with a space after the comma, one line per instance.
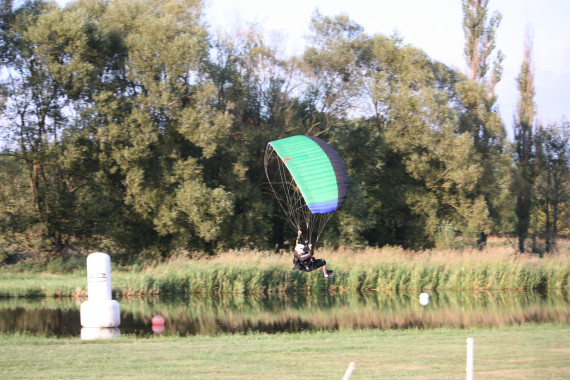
[308, 178]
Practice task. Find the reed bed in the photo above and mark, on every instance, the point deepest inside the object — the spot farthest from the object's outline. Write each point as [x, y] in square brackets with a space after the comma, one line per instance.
[356, 270]
[370, 269]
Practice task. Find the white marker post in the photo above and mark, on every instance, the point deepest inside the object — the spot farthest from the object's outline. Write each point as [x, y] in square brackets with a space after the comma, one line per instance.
[348, 372]
[99, 313]
[469, 359]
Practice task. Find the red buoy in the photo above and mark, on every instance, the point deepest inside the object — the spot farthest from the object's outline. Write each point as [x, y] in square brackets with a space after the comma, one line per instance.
[157, 324]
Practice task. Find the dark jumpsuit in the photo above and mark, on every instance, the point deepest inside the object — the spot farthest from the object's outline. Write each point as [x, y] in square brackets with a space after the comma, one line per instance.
[306, 262]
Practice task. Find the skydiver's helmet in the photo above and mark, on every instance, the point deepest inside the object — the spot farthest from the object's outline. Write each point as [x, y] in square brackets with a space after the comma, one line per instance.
[300, 249]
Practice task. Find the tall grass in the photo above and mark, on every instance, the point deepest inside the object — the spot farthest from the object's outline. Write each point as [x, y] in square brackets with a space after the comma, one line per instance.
[370, 269]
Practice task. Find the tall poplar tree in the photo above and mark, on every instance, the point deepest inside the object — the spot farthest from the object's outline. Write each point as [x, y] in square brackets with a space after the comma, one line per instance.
[479, 115]
[525, 142]
[480, 42]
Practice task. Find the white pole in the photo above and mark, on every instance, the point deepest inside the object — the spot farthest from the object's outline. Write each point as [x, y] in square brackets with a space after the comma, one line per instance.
[348, 371]
[469, 358]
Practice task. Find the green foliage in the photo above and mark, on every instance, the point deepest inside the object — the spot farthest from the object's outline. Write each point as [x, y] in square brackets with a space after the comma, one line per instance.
[480, 40]
[524, 146]
[479, 118]
[16, 213]
[552, 183]
[332, 59]
[445, 236]
[128, 128]
[55, 56]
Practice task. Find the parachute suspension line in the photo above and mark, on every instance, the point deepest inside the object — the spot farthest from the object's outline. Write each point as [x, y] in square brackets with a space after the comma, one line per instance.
[322, 223]
[285, 181]
[315, 226]
[268, 152]
[307, 217]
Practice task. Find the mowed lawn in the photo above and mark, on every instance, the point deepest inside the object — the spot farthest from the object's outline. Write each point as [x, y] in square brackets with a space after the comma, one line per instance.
[527, 351]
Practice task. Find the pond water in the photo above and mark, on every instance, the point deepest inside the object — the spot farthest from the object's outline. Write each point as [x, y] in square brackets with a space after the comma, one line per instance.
[216, 314]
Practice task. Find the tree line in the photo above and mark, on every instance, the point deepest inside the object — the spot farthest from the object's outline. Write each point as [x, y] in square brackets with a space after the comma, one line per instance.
[128, 127]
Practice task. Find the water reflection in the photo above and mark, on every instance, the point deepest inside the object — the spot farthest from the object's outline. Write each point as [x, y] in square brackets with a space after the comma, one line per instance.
[212, 315]
[90, 333]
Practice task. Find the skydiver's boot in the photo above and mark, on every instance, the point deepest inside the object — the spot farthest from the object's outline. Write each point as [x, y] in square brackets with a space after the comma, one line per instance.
[330, 274]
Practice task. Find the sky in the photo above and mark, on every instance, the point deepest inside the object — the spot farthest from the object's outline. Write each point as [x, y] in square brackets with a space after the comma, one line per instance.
[435, 26]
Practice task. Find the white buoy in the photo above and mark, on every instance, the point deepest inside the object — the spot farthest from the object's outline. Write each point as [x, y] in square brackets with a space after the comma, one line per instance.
[424, 299]
[469, 368]
[99, 277]
[100, 310]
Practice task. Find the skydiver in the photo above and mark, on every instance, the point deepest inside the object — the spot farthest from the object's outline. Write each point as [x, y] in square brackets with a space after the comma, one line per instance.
[303, 258]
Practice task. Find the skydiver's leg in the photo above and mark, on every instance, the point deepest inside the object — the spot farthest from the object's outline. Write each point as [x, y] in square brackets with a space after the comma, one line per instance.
[327, 273]
[320, 263]
[317, 263]
[323, 264]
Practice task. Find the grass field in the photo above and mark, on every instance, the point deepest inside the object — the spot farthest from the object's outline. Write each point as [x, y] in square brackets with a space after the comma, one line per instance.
[519, 352]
